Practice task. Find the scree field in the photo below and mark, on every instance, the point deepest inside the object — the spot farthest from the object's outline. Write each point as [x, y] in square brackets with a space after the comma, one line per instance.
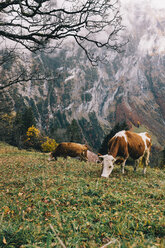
[66, 203]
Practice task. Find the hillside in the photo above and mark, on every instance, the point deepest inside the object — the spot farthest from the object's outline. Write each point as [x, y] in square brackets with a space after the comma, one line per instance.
[66, 204]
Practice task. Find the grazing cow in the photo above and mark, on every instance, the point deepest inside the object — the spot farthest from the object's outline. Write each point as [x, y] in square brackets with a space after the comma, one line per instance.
[123, 145]
[70, 149]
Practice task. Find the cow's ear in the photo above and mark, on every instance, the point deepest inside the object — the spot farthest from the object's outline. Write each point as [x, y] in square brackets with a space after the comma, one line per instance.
[102, 156]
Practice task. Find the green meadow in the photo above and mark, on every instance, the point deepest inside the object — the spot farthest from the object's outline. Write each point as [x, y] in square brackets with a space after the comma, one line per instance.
[66, 203]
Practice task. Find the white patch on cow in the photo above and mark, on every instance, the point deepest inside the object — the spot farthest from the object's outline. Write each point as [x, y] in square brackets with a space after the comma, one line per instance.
[50, 157]
[144, 137]
[108, 164]
[121, 134]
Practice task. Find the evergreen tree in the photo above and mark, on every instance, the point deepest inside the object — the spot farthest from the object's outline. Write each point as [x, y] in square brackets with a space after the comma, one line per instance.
[74, 132]
[118, 127]
[17, 132]
[6, 126]
[28, 119]
[13, 126]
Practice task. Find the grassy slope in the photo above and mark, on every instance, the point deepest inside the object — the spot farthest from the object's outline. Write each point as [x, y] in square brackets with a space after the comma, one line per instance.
[44, 203]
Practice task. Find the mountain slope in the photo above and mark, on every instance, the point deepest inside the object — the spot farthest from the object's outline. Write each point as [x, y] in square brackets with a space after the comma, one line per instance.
[131, 86]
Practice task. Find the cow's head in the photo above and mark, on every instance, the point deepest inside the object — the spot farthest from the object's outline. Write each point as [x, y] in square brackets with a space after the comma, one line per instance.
[108, 164]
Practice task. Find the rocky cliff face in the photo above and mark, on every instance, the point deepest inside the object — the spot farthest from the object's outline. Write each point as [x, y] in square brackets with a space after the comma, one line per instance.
[131, 86]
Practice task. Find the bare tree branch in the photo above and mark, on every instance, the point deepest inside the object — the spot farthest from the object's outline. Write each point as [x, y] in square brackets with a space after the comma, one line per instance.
[45, 24]
[36, 23]
[13, 71]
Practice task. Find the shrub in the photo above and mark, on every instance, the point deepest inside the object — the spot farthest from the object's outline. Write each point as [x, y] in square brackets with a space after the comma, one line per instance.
[34, 139]
[32, 132]
[49, 145]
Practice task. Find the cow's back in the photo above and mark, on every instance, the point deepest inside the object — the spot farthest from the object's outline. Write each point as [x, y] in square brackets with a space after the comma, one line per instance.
[127, 143]
[74, 148]
[71, 149]
[137, 144]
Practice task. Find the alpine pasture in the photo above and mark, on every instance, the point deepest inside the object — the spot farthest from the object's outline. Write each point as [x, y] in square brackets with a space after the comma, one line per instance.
[65, 203]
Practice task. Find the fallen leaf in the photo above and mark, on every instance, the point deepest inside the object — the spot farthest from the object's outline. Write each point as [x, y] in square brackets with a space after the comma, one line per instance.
[20, 194]
[4, 241]
[7, 209]
[110, 224]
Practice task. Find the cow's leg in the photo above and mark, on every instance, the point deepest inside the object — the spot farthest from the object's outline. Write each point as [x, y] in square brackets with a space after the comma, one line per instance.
[83, 157]
[122, 166]
[51, 157]
[146, 161]
[136, 163]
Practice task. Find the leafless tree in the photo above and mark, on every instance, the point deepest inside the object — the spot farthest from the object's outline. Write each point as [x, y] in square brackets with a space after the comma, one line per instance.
[35, 23]
[45, 24]
[13, 70]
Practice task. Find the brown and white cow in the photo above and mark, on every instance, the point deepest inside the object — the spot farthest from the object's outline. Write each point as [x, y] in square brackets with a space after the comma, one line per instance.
[123, 145]
[70, 149]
